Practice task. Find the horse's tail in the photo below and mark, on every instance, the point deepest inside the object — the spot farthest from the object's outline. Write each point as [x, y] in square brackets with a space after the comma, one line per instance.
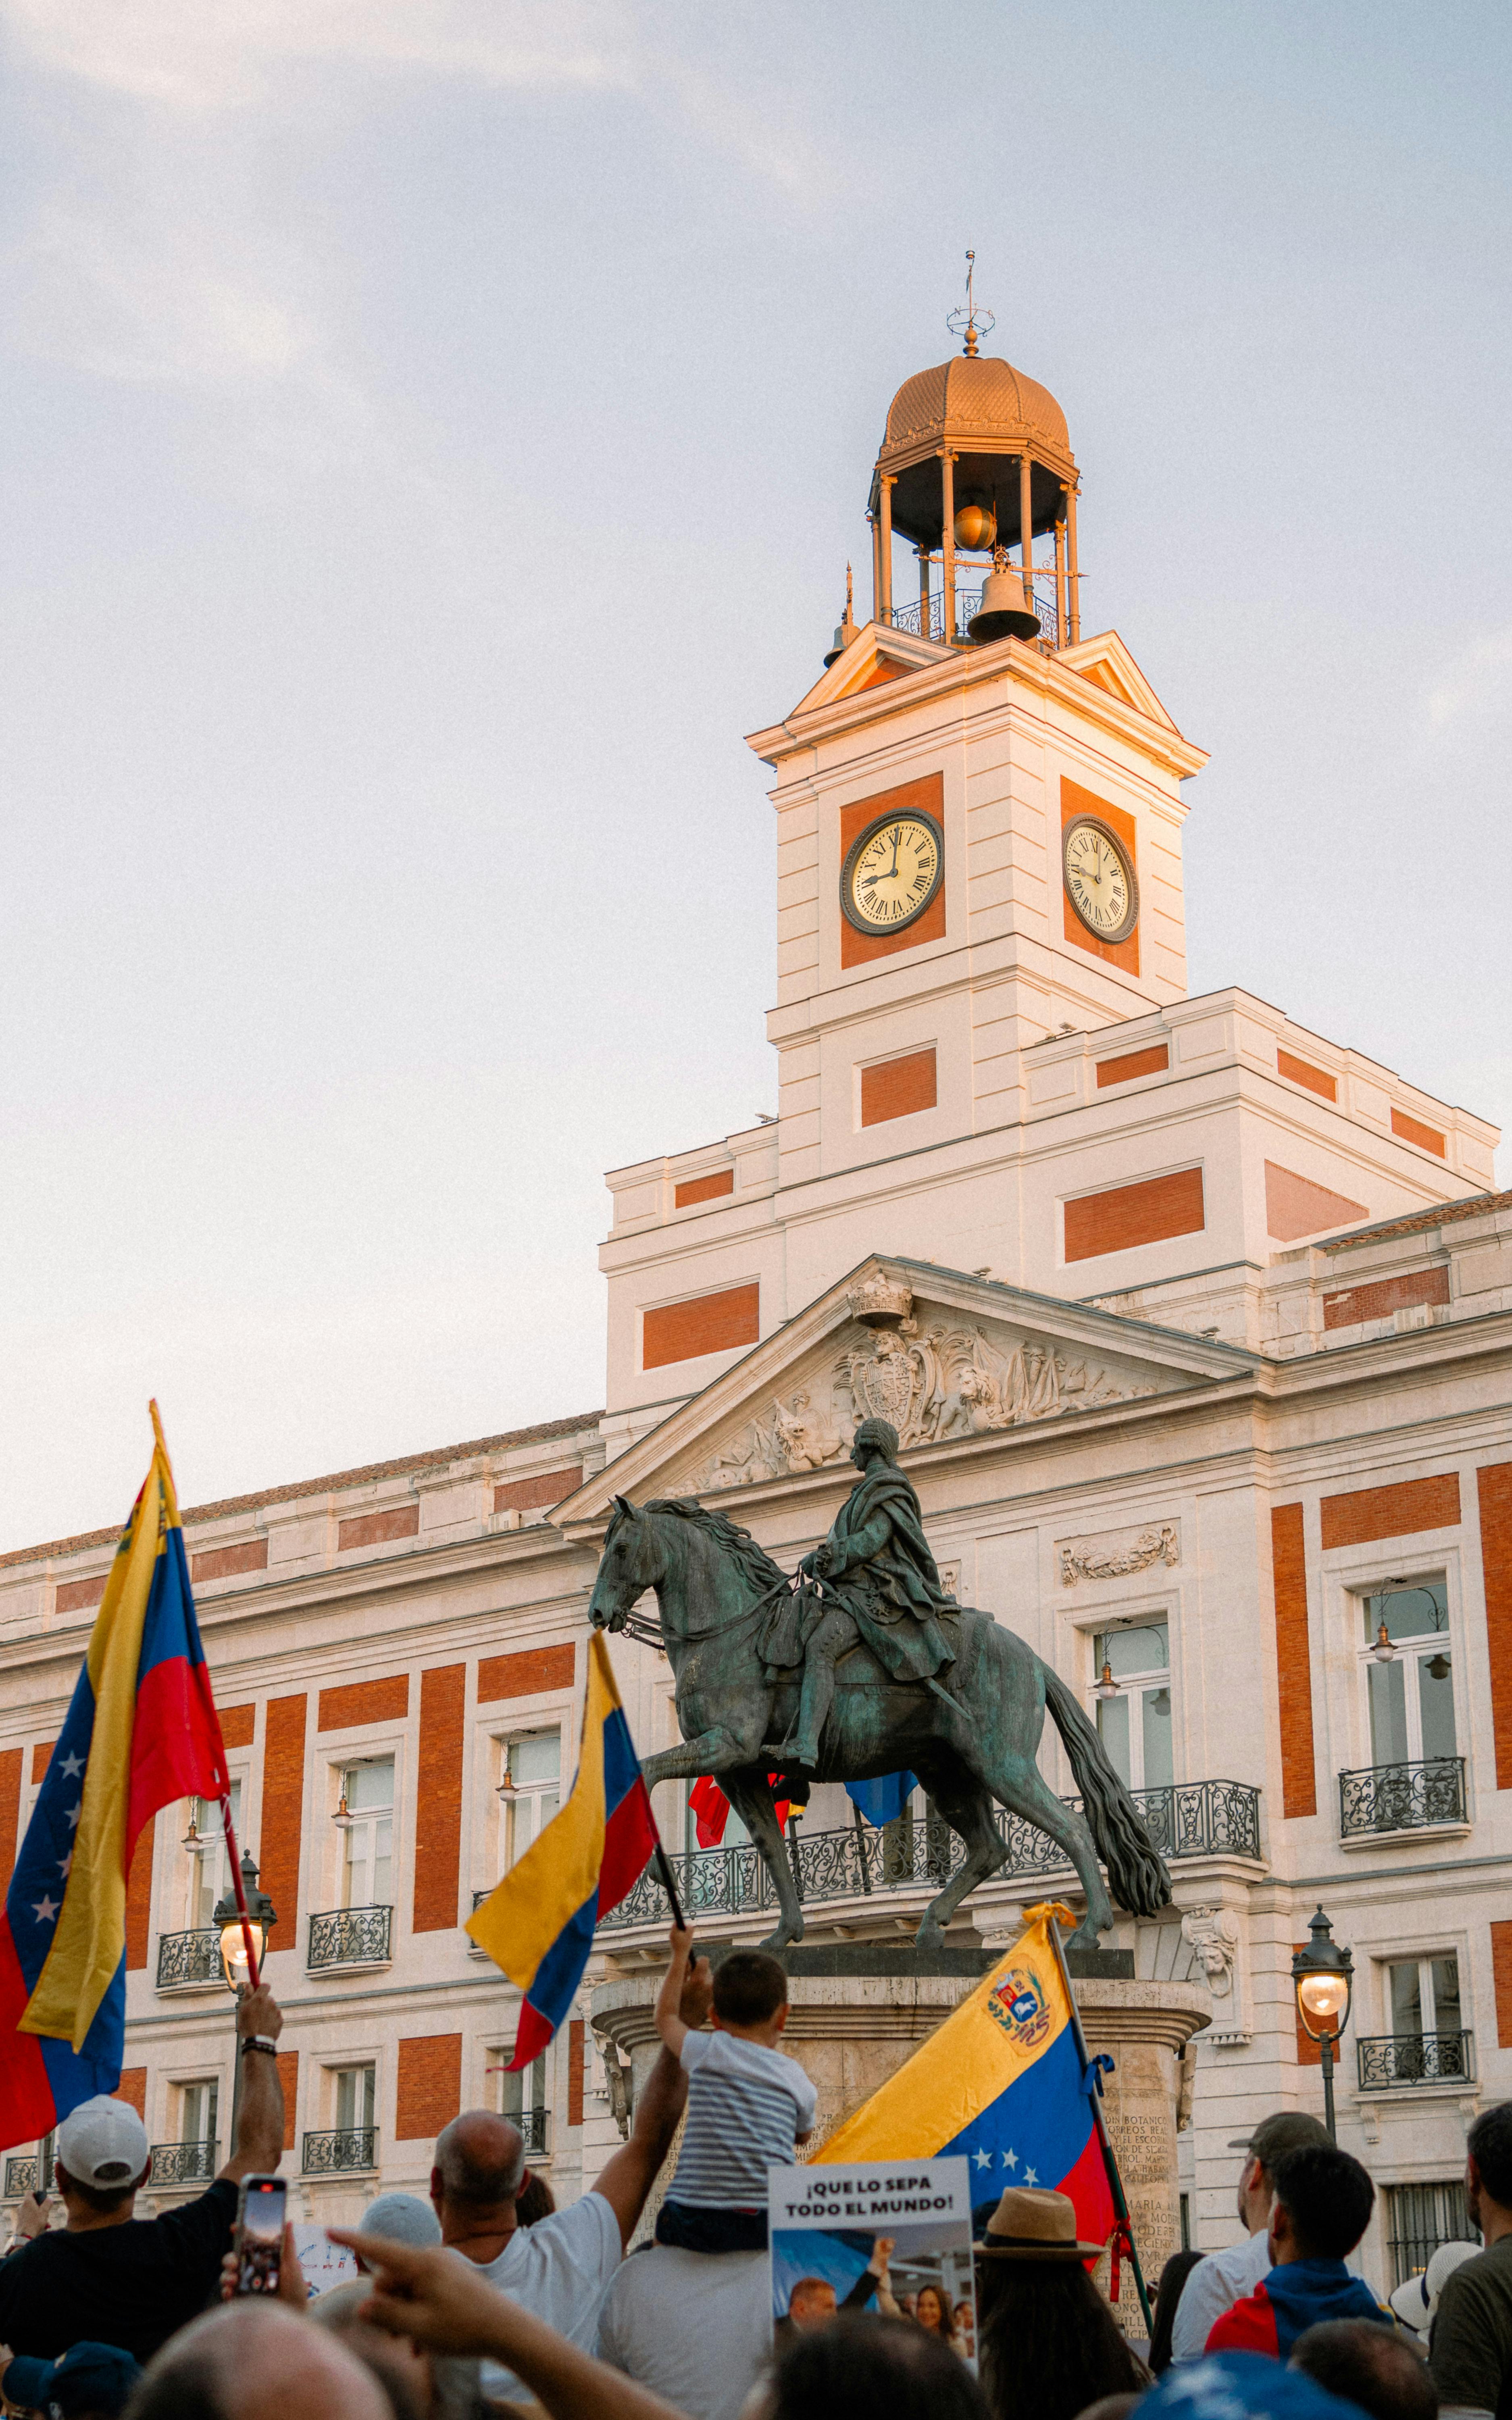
[1136, 1870]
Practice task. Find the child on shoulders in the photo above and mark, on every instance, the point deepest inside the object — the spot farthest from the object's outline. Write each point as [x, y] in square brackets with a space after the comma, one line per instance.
[748, 2105]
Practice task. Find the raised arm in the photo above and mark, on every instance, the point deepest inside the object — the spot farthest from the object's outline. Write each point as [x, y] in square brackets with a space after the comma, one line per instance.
[259, 2138]
[629, 2177]
[669, 2025]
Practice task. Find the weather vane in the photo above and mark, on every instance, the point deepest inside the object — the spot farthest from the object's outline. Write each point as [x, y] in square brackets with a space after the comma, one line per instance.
[967, 324]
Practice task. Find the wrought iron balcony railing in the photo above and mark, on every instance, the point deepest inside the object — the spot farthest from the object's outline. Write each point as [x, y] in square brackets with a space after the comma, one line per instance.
[967, 601]
[350, 1937]
[1389, 2062]
[21, 2175]
[183, 2163]
[189, 1961]
[341, 2150]
[1194, 1819]
[535, 2125]
[1402, 1797]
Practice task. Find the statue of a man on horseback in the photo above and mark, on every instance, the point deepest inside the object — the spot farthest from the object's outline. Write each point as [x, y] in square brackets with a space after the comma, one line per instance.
[875, 1581]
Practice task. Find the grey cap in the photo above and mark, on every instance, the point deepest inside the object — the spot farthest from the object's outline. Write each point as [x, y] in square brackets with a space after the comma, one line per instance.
[403, 2218]
[1288, 2130]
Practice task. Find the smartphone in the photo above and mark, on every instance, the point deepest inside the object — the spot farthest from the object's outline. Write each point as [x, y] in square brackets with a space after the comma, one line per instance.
[259, 2240]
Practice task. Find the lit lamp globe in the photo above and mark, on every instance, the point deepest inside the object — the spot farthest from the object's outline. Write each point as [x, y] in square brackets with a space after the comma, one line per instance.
[975, 528]
[1322, 1978]
[262, 1917]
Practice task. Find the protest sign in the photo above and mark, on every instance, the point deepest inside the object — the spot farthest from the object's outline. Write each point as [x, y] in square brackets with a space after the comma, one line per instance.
[325, 2264]
[874, 2236]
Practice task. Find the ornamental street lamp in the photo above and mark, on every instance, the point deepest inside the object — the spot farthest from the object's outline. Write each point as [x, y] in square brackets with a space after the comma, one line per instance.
[1322, 1978]
[262, 1917]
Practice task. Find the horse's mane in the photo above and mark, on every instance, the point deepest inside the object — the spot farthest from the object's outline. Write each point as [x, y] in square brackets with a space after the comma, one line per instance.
[754, 1560]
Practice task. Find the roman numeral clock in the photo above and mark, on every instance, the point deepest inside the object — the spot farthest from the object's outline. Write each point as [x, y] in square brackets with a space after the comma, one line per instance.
[1100, 879]
[893, 871]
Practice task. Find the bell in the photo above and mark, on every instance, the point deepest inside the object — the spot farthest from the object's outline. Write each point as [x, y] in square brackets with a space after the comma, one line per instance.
[1003, 613]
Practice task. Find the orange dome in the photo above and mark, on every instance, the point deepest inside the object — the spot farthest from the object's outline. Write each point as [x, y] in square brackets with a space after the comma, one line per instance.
[973, 396]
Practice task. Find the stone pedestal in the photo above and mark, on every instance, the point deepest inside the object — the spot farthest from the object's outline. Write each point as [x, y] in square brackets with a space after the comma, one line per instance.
[858, 2009]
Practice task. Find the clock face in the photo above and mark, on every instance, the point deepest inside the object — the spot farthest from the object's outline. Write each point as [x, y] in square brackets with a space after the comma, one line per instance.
[892, 873]
[1100, 879]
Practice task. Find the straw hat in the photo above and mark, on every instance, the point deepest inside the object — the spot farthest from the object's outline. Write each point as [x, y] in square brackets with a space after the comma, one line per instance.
[1031, 2225]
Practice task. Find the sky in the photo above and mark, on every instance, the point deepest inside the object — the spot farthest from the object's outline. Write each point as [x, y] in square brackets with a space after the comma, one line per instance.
[432, 432]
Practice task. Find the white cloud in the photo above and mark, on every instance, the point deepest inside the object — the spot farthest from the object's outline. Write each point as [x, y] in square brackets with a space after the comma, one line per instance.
[1478, 680]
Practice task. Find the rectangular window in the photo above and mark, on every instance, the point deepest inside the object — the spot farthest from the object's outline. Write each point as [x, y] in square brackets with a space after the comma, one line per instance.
[199, 2110]
[1421, 2217]
[521, 2089]
[530, 1790]
[1410, 1674]
[356, 2097]
[366, 1817]
[1133, 1701]
[209, 1868]
[1422, 1995]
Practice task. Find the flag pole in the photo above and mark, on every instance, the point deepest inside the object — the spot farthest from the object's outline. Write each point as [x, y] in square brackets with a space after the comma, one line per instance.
[240, 1890]
[1120, 2204]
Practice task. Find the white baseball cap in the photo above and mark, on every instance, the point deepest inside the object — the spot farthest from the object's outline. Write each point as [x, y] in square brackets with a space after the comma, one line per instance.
[102, 2143]
[1417, 2300]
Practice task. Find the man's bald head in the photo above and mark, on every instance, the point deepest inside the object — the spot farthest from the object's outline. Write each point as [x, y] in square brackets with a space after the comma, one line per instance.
[249, 2358]
[479, 2160]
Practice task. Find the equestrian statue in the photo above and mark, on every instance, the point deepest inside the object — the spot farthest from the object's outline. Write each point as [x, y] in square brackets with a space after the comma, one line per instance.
[863, 1666]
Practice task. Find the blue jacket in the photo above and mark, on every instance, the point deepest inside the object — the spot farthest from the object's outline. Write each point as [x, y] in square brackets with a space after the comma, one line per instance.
[1289, 2302]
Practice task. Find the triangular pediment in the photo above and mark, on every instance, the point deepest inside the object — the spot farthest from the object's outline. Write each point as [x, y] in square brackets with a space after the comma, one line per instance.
[1107, 663]
[878, 652]
[949, 1358]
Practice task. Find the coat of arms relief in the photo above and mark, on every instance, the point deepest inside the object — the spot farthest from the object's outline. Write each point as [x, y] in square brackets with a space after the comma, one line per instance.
[932, 1381]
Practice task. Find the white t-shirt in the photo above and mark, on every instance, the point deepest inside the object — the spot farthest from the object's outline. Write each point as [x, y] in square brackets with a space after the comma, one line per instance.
[745, 2105]
[1215, 2286]
[695, 2327]
[557, 2269]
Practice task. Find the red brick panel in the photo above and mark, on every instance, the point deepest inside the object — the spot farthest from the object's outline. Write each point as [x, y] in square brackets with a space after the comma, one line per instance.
[40, 1754]
[238, 1723]
[1413, 1130]
[1293, 1660]
[704, 1189]
[925, 797]
[139, 1898]
[379, 1528]
[132, 2090]
[438, 1797]
[1294, 1205]
[1502, 1978]
[225, 1563]
[576, 2052]
[1127, 1215]
[1387, 1295]
[1494, 1488]
[711, 1323]
[542, 1487]
[430, 2086]
[1076, 801]
[283, 1811]
[365, 1701]
[289, 2076]
[75, 1596]
[898, 1088]
[1392, 1511]
[11, 1765]
[526, 1674]
[1123, 1070]
[1302, 1071]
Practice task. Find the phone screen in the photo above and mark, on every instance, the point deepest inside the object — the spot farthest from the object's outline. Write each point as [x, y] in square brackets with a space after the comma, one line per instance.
[260, 2234]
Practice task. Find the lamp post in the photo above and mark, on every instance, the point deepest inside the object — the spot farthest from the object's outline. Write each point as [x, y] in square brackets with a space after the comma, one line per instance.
[263, 1916]
[1322, 1978]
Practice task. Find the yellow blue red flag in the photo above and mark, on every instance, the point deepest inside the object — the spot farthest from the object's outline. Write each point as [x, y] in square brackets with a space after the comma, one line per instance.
[538, 1924]
[1002, 2081]
[141, 1731]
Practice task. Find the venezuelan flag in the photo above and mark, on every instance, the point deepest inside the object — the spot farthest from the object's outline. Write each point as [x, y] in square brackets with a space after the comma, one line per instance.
[141, 1731]
[538, 1924]
[1003, 2081]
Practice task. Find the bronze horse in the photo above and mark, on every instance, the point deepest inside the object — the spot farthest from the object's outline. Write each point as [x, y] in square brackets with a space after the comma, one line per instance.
[973, 1743]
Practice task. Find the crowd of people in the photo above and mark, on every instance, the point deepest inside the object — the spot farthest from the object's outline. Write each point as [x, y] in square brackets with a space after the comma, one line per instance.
[486, 2300]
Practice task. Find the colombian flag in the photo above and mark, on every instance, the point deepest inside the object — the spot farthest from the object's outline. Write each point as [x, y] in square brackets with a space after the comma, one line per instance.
[1003, 2081]
[538, 1924]
[141, 1731]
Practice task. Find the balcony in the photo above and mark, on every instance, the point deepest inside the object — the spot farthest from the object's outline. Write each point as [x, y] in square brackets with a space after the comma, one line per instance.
[183, 2163]
[967, 601]
[1402, 1797]
[1193, 1819]
[1397, 2062]
[190, 1961]
[21, 2175]
[347, 1937]
[534, 2126]
[341, 2151]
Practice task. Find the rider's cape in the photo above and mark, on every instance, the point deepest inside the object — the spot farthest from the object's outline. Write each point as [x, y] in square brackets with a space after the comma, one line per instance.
[893, 1597]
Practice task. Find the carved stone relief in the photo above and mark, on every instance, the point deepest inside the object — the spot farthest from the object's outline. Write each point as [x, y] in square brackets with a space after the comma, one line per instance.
[945, 1380]
[1114, 1553]
[1213, 1932]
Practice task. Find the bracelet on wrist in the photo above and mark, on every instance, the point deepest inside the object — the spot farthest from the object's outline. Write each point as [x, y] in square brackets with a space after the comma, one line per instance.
[259, 2041]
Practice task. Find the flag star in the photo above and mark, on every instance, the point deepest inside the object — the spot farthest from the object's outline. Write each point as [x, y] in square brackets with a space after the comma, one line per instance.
[75, 1813]
[70, 1767]
[1011, 2159]
[984, 2159]
[64, 1865]
[45, 1909]
[1029, 2177]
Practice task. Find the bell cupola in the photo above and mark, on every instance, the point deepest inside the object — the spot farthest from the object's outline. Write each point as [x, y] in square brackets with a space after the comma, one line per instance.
[975, 464]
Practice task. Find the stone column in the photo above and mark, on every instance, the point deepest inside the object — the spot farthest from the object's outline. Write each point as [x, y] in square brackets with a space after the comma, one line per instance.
[885, 550]
[1143, 2028]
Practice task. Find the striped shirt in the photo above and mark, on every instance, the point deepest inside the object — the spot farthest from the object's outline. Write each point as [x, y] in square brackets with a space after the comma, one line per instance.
[745, 2105]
